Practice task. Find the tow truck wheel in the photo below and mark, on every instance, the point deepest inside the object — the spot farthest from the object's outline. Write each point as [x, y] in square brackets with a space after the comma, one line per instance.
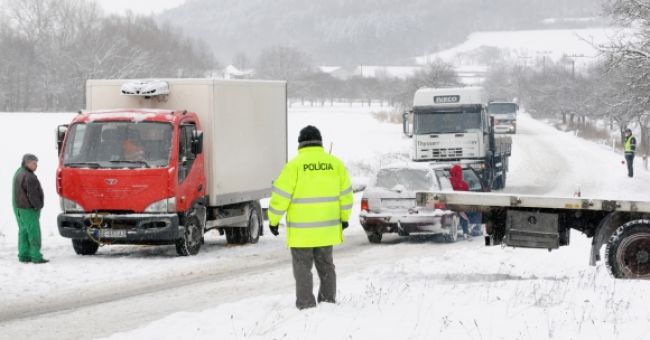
[628, 251]
[374, 238]
[85, 247]
[191, 242]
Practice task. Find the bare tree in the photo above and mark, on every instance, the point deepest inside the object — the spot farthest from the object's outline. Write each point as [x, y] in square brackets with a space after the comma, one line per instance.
[50, 48]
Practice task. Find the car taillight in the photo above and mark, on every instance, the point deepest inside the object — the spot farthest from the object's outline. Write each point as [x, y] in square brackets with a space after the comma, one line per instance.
[440, 206]
[364, 205]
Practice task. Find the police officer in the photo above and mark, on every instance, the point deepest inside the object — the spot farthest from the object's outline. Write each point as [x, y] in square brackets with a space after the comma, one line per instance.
[630, 149]
[314, 190]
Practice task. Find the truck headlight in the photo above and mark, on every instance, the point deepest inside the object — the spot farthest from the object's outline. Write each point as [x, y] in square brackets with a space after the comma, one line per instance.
[70, 206]
[167, 205]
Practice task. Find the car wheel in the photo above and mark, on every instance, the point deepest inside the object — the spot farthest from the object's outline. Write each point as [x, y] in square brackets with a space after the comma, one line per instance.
[374, 238]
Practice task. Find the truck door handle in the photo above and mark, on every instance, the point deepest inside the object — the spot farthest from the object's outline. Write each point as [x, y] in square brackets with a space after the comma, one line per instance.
[200, 187]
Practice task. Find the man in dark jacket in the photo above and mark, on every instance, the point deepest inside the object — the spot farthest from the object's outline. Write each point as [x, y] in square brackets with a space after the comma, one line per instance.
[28, 202]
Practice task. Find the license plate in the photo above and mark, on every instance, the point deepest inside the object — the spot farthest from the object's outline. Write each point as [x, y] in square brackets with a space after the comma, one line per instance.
[398, 203]
[114, 233]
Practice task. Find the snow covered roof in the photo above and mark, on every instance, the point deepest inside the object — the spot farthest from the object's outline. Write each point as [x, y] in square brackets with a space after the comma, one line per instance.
[231, 71]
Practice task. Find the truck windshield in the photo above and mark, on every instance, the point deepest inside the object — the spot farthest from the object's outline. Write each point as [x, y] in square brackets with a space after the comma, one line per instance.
[118, 145]
[431, 121]
[499, 108]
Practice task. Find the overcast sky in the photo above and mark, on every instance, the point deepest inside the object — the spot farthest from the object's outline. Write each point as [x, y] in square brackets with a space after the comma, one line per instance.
[138, 6]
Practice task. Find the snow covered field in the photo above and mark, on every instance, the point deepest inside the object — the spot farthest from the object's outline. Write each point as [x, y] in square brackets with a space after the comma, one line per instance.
[406, 288]
[553, 44]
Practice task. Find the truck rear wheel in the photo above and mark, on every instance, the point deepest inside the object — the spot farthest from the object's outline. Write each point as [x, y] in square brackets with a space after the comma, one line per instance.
[85, 247]
[234, 235]
[252, 232]
[628, 251]
[191, 241]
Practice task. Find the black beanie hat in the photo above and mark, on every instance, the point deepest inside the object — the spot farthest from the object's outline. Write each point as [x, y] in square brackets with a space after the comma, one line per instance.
[309, 136]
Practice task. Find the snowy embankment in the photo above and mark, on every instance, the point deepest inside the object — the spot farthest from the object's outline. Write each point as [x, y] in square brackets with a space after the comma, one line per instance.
[413, 287]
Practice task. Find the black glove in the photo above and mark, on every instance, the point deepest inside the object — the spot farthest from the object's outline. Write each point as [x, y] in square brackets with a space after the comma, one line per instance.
[344, 224]
[274, 230]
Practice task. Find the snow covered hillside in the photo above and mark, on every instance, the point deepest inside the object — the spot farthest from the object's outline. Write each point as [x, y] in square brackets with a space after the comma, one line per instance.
[413, 288]
[527, 48]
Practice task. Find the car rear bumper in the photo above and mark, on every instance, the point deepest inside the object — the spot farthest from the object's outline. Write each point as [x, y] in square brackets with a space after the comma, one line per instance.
[379, 223]
[136, 228]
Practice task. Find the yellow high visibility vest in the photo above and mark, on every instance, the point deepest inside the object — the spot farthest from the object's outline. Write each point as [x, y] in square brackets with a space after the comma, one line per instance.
[315, 192]
[630, 144]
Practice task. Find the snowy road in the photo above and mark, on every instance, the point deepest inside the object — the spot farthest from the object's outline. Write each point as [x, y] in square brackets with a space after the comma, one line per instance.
[412, 286]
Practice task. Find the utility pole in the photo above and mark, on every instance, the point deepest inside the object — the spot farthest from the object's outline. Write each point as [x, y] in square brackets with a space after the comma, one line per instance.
[572, 58]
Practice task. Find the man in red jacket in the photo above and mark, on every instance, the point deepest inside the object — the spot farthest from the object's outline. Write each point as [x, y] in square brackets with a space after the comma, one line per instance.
[456, 179]
[459, 184]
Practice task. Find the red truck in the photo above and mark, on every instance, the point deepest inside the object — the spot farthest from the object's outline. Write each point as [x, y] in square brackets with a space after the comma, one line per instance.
[163, 162]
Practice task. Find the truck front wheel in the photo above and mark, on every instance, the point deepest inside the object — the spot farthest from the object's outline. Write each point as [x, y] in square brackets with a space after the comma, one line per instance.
[628, 251]
[191, 241]
[85, 247]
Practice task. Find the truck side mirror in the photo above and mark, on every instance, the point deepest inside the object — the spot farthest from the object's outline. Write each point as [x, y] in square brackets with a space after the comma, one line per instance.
[197, 142]
[61, 130]
[406, 126]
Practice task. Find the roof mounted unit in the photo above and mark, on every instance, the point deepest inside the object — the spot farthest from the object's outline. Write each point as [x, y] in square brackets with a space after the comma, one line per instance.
[145, 88]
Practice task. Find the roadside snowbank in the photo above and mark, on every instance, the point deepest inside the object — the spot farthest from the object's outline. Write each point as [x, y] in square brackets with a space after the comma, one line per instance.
[476, 293]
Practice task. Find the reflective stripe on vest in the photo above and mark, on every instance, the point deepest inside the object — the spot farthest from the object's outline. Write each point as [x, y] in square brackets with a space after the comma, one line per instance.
[281, 192]
[275, 211]
[315, 200]
[346, 191]
[320, 224]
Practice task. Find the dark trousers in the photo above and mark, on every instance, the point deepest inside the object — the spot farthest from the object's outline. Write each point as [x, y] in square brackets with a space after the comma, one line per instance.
[475, 218]
[303, 260]
[629, 159]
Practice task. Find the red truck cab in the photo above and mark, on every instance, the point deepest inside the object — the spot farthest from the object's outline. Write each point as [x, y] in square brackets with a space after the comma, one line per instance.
[132, 176]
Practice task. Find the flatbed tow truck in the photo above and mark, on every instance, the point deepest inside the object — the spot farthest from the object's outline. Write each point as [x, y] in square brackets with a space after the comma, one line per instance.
[545, 222]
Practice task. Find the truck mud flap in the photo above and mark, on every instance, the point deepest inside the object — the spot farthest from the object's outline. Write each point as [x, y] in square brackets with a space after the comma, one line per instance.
[530, 229]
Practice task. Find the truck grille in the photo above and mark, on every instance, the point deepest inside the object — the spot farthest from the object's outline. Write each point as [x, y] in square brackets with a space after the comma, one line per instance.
[447, 153]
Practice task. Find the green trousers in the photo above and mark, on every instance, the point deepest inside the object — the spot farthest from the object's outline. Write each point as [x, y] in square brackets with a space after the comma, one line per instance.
[29, 234]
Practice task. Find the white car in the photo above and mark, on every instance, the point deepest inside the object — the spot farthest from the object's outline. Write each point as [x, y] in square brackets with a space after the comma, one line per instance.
[388, 203]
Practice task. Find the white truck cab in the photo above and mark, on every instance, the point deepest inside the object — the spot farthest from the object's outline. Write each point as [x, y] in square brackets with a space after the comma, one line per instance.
[452, 125]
